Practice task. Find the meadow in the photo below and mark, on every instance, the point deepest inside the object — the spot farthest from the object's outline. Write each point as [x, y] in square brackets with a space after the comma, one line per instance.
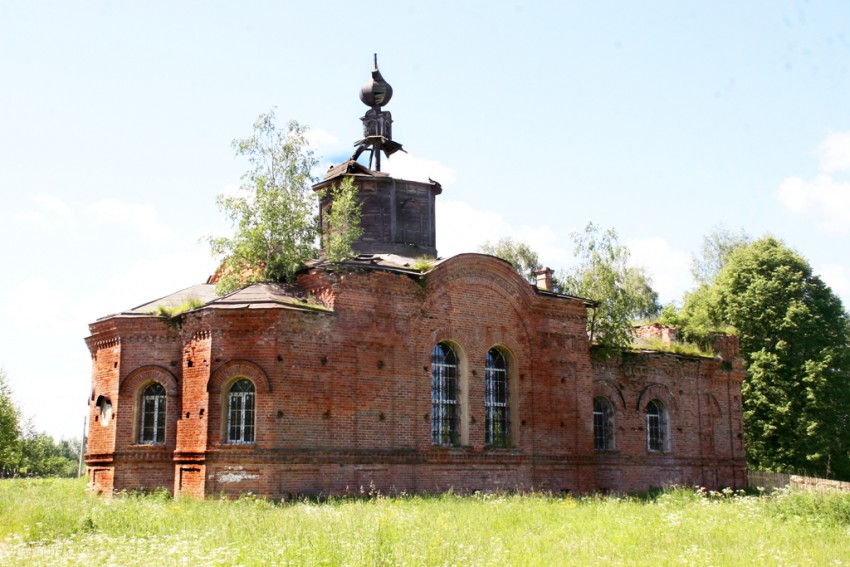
[57, 522]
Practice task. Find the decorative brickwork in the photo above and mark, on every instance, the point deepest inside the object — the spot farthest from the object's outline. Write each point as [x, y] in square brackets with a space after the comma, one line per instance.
[342, 398]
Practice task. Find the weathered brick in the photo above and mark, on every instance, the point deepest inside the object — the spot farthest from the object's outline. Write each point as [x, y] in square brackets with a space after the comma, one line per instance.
[343, 397]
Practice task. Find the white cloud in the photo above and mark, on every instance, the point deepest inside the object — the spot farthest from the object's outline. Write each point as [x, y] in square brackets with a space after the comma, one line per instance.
[837, 277]
[138, 218]
[37, 306]
[405, 166]
[52, 215]
[151, 278]
[834, 152]
[322, 140]
[50, 386]
[830, 200]
[669, 267]
[824, 196]
[462, 228]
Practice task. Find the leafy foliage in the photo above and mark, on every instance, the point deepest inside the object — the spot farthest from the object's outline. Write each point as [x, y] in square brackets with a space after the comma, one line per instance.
[518, 254]
[676, 347]
[624, 293]
[714, 253]
[23, 451]
[42, 456]
[423, 263]
[342, 221]
[274, 213]
[169, 310]
[10, 428]
[795, 341]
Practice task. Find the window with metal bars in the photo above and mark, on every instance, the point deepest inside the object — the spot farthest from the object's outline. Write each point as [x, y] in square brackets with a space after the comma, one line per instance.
[240, 412]
[656, 426]
[497, 433]
[603, 425]
[445, 406]
[152, 427]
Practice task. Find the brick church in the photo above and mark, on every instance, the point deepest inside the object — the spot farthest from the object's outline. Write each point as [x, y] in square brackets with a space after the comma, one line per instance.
[394, 374]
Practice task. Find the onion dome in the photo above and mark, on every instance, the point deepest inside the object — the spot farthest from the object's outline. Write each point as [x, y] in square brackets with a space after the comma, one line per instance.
[376, 91]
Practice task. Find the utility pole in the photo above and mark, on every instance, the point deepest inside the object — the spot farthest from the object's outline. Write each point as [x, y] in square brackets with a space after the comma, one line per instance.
[82, 448]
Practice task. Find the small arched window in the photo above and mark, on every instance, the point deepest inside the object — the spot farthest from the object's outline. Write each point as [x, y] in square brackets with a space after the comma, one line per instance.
[445, 410]
[104, 407]
[497, 432]
[152, 426]
[656, 426]
[603, 425]
[240, 412]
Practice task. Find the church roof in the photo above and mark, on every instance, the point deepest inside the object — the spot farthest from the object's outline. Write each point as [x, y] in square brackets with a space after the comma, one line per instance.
[266, 295]
[199, 292]
[388, 262]
[254, 296]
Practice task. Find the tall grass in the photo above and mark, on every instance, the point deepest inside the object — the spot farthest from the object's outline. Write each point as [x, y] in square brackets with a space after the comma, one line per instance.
[56, 522]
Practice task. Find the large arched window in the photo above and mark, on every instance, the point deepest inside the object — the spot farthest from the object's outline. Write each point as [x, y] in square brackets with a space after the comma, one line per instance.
[240, 412]
[152, 426]
[445, 410]
[497, 432]
[603, 425]
[656, 426]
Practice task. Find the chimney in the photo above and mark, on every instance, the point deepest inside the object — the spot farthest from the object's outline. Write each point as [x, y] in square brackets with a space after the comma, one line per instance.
[544, 279]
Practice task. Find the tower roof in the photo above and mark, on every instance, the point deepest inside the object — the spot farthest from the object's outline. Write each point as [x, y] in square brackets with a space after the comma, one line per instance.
[377, 123]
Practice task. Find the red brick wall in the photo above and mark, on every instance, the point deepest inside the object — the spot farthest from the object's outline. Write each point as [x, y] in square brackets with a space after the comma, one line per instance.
[343, 397]
[704, 418]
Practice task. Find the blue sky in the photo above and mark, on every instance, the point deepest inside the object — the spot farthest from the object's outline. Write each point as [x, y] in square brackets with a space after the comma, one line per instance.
[659, 119]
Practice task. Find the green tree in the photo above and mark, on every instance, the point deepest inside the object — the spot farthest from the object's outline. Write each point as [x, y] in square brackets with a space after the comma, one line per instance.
[714, 253]
[342, 220]
[274, 214]
[42, 456]
[624, 293]
[518, 254]
[10, 428]
[794, 339]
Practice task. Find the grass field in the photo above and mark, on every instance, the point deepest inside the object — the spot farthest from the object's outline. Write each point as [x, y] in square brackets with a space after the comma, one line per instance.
[56, 522]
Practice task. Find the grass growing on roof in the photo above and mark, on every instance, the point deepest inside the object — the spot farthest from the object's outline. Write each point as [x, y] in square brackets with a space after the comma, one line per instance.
[56, 522]
[674, 347]
[172, 310]
[423, 263]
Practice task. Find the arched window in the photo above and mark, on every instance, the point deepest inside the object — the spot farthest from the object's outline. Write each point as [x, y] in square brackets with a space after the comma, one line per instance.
[445, 410]
[152, 426]
[240, 412]
[656, 426]
[497, 433]
[104, 406]
[603, 425]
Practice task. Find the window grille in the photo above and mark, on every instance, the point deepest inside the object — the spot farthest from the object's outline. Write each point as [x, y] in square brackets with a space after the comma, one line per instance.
[656, 426]
[603, 425]
[497, 432]
[152, 429]
[240, 415]
[444, 396]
